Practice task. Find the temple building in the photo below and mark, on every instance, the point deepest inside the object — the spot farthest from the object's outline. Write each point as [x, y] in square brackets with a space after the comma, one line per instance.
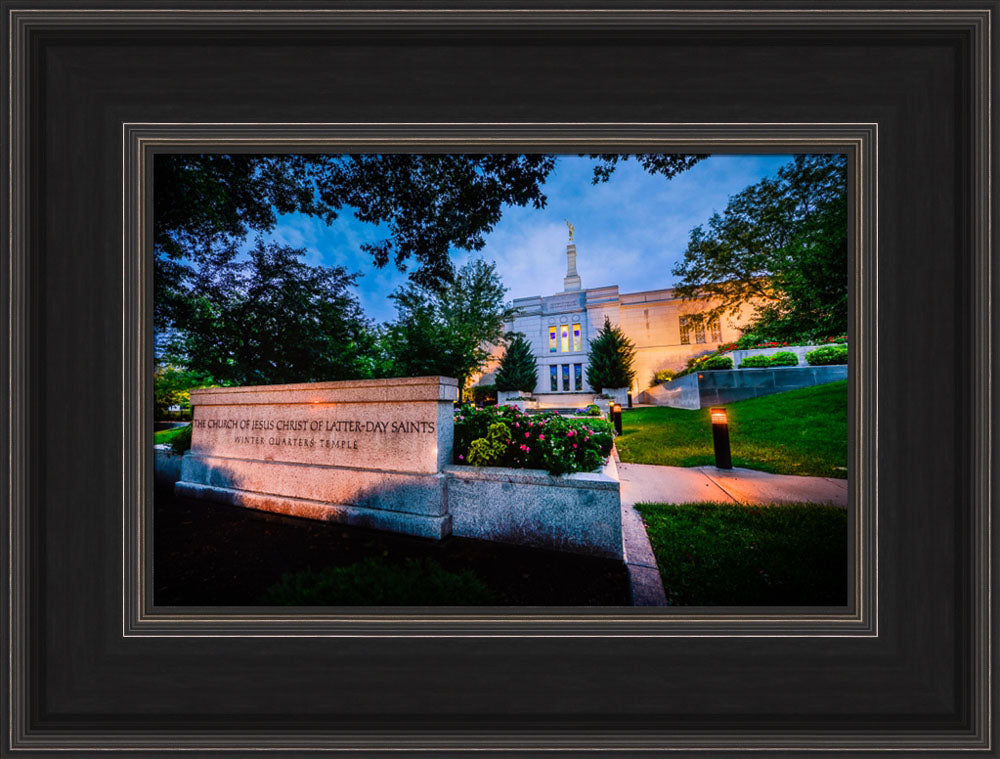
[658, 323]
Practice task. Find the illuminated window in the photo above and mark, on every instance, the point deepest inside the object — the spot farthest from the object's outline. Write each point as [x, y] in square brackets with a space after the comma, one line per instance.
[578, 376]
[699, 331]
[565, 376]
[564, 335]
[552, 339]
[576, 337]
[715, 330]
[685, 331]
[554, 378]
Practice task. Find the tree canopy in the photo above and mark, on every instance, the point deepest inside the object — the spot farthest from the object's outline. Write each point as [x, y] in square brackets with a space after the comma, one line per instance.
[518, 367]
[429, 204]
[781, 243]
[447, 330]
[610, 359]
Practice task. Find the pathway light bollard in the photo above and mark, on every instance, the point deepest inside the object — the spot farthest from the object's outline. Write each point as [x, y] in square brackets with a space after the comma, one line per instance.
[720, 436]
[616, 417]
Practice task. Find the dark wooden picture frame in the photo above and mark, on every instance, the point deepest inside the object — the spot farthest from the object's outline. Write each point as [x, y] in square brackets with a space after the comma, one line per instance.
[904, 89]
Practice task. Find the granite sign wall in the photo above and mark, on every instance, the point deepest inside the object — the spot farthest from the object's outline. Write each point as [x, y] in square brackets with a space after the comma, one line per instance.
[363, 452]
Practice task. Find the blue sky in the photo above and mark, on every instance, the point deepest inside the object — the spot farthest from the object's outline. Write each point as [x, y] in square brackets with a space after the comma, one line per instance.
[629, 231]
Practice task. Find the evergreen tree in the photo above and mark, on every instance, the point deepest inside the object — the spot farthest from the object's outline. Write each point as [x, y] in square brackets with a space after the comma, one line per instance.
[610, 359]
[518, 369]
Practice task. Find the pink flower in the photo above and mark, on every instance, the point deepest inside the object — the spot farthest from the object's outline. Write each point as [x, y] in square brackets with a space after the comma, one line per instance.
[462, 458]
[527, 434]
[569, 434]
[541, 437]
[516, 424]
[527, 449]
[574, 445]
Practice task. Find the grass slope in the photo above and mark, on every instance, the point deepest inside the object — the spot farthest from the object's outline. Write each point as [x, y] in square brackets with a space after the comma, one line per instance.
[797, 432]
[378, 581]
[732, 555]
[165, 436]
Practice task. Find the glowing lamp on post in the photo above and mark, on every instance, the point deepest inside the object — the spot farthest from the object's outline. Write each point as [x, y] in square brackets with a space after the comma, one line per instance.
[720, 436]
[616, 417]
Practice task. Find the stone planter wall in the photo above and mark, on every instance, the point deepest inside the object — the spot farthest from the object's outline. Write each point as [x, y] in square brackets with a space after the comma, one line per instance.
[620, 395]
[678, 393]
[580, 513]
[798, 350]
[523, 401]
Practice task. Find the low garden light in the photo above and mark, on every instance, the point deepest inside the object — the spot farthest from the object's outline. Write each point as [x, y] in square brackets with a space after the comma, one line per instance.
[616, 417]
[720, 436]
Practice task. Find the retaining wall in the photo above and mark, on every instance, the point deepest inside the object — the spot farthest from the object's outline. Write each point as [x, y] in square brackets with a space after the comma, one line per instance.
[728, 386]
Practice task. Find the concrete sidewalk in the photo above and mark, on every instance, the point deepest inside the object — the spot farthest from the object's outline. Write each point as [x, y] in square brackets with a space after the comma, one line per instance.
[646, 483]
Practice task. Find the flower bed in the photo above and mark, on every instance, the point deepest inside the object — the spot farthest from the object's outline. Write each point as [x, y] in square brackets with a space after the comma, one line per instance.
[747, 342]
[507, 437]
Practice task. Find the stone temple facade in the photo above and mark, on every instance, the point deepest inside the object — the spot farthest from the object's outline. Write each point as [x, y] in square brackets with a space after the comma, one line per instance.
[560, 328]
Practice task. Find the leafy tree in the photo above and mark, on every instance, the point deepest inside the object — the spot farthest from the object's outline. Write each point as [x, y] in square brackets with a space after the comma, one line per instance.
[666, 164]
[447, 330]
[172, 387]
[782, 244]
[518, 368]
[610, 359]
[270, 319]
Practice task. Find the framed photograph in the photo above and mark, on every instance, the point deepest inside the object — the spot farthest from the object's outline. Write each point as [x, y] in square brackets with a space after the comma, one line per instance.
[605, 381]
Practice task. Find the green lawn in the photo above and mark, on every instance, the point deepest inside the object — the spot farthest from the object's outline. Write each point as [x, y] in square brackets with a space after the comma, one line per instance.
[798, 432]
[376, 581]
[717, 554]
[165, 436]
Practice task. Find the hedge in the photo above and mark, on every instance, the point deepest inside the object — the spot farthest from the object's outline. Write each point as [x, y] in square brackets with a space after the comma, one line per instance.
[755, 362]
[784, 358]
[715, 362]
[828, 354]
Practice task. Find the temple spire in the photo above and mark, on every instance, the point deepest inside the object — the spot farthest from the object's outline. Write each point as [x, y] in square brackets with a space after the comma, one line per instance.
[572, 280]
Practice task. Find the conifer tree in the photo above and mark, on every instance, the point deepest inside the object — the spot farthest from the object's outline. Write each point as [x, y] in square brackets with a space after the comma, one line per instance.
[518, 369]
[610, 359]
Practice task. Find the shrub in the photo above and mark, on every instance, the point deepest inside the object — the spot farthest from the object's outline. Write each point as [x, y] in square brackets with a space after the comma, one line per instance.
[181, 442]
[828, 354]
[716, 362]
[593, 410]
[489, 450]
[662, 376]
[784, 358]
[483, 393]
[535, 441]
[749, 340]
[755, 362]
